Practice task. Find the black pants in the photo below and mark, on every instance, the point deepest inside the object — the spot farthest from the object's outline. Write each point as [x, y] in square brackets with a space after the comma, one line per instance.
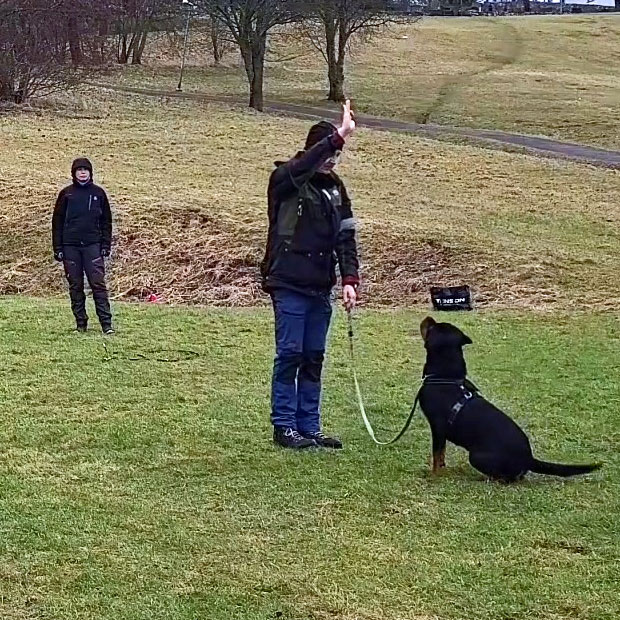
[87, 259]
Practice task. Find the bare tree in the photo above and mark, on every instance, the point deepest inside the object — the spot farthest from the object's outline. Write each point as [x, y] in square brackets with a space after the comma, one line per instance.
[133, 20]
[33, 37]
[86, 28]
[249, 23]
[331, 26]
[38, 38]
[220, 43]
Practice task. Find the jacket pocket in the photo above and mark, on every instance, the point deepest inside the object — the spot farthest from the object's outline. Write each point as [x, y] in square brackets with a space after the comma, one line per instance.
[94, 206]
[303, 268]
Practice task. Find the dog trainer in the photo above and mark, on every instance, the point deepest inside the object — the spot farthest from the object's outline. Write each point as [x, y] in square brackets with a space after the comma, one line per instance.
[82, 238]
[311, 228]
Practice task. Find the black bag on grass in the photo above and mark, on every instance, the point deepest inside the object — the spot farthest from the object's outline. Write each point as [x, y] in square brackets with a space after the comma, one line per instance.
[451, 298]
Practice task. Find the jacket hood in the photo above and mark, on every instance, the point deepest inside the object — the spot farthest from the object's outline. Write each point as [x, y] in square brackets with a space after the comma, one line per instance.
[81, 162]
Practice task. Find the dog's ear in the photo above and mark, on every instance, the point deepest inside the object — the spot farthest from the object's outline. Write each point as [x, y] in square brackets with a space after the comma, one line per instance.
[466, 340]
[425, 325]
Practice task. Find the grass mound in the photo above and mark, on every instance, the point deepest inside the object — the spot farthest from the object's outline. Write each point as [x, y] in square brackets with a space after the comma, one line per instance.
[188, 187]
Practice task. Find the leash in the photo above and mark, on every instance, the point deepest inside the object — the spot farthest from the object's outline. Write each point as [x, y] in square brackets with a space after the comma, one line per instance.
[360, 400]
[468, 388]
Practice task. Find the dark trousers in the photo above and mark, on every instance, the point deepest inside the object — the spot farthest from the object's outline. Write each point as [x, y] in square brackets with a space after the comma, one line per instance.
[79, 260]
[302, 323]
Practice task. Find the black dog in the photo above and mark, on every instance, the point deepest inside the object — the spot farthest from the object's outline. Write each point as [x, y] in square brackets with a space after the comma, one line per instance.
[458, 413]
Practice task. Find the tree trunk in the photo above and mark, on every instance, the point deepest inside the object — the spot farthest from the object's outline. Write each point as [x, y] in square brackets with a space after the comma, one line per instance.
[139, 48]
[122, 54]
[336, 79]
[127, 49]
[259, 49]
[246, 55]
[215, 42]
[336, 87]
[253, 48]
[22, 91]
[6, 89]
[102, 36]
[74, 42]
[133, 43]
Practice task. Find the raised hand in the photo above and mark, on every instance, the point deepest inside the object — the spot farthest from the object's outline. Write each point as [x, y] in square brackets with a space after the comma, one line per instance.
[347, 125]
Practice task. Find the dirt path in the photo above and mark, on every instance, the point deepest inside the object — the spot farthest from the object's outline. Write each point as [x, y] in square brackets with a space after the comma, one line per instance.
[545, 147]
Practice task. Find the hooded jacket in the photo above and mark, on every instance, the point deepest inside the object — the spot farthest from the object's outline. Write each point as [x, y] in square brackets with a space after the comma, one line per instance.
[82, 214]
[311, 225]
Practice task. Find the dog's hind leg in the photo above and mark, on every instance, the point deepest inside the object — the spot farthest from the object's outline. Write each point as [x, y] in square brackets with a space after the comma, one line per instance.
[496, 466]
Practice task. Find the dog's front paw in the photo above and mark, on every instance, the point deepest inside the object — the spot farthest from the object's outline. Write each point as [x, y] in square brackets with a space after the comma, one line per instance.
[439, 461]
[438, 467]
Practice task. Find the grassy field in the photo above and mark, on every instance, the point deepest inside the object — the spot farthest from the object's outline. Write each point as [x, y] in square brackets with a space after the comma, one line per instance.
[146, 490]
[141, 490]
[554, 76]
[188, 183]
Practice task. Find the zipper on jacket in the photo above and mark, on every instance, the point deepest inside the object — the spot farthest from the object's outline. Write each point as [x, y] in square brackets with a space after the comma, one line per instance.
[90, 198]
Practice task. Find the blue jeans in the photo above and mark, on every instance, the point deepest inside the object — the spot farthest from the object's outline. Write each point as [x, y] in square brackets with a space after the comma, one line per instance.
[301, 322]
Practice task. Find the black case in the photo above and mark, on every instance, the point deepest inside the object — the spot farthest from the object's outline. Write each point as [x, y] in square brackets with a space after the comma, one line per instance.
[451, 298]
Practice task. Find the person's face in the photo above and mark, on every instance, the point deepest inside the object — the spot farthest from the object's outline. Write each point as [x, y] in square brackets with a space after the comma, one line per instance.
[331, 163]
[82, 175]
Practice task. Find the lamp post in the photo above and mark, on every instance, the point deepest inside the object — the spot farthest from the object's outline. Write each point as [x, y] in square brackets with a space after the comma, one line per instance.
[188, 7]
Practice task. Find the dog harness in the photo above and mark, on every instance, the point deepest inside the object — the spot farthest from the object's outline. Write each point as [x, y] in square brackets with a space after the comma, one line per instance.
[468, 389]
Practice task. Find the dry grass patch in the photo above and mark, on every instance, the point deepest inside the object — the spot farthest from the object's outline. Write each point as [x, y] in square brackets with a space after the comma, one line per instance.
[188, 184]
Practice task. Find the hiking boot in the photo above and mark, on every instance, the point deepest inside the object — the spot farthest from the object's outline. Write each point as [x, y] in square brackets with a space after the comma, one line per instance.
[108, 330]
[81, 329]
[290, 438]
[324, 441]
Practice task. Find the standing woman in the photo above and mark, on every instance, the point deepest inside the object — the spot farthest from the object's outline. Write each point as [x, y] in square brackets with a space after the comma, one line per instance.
[311, 229]
[81, 238]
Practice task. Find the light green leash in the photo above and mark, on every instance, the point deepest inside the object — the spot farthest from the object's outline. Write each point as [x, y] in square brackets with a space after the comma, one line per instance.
[360, 400]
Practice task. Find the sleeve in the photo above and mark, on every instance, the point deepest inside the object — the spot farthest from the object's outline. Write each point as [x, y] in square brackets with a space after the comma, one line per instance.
[106, 224]
[58, 221]
[346, 245]
[289, 177]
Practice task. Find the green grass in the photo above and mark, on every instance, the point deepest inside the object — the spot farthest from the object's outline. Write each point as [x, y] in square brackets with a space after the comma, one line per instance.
[143, 490]
[557, 76]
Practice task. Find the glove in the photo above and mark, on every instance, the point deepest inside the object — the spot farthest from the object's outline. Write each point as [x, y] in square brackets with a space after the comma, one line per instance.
[59, 255]
[105, 252]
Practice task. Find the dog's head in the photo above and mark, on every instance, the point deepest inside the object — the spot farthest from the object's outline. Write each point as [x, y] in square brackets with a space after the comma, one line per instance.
[444, 336]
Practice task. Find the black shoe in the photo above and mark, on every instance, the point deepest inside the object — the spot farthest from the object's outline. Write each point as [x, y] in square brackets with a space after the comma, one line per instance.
[81, 329]
[108, 330]
[324, 441]
[290, 438]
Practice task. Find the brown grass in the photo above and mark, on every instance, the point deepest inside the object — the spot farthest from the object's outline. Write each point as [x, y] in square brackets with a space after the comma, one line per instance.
[554, 76]
[187, 183]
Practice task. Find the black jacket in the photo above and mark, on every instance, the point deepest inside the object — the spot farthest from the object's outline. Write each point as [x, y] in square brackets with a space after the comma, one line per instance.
[311, 225]
[82, 217]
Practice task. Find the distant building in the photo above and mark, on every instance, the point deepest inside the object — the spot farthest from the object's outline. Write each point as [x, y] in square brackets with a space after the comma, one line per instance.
[499, 7]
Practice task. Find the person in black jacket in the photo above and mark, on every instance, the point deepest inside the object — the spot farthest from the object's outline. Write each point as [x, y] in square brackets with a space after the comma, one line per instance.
[82, 238]
[311, 231]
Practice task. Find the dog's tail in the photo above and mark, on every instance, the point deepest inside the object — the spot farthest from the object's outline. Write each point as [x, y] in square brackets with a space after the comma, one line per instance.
[556, 469]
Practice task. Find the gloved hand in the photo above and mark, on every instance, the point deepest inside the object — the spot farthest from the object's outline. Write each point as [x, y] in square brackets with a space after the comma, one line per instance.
[105, 252]
[59, 256]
